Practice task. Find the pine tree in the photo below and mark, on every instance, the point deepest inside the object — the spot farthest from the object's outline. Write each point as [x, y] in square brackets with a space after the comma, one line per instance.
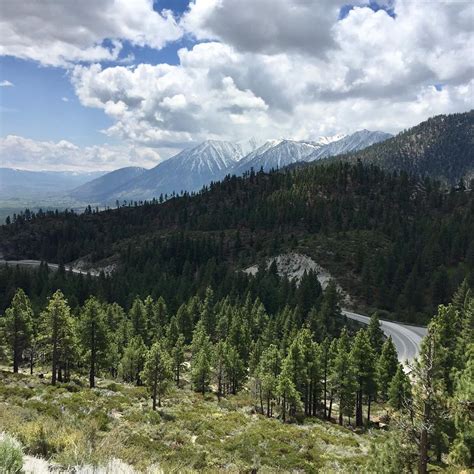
[267, 373]
[133, 360]
[286, 390]
[93, 334]
[362, 359]
[201, 370]
[462, 450]
[58, 335]
[427, 408]
[18, 327]
[207, 312]
[157, 372]
[330, 312]
[387, 366]
[331, 377]
[375, 333]
[137, 316]
[219, 362]
[177, 355]
[235, 369]
[399, 389]
[342, 376]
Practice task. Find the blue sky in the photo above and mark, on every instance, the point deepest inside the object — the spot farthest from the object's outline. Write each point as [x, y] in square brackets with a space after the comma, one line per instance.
[36, 107]
[263, 68]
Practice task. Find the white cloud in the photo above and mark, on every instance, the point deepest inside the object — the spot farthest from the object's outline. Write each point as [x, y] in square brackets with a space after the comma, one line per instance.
[266, 68]
[64, 99]
[380, 74]
[25, 153]
[6, 83]
[266, 26]
[59, 32]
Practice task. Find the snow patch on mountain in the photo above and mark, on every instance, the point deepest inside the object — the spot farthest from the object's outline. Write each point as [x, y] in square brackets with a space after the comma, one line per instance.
[323, 141]
[349, 143]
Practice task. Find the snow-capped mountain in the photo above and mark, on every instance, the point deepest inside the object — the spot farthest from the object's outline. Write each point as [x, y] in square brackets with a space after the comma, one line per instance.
[249, 146]
[323, 141]
[189, 170]
[347, 143]
[195, 167]
[275, 154]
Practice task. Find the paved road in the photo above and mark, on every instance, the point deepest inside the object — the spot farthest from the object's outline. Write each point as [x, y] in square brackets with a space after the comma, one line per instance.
[407, 339]
[52, 266]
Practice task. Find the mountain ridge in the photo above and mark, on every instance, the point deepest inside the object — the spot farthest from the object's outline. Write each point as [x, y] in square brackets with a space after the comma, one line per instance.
[212, 160]
[441, 148]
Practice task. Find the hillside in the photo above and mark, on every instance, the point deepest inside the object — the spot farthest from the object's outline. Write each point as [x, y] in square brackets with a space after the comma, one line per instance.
[441, 148]
[189, 433]
[393, 243]
[99, 189]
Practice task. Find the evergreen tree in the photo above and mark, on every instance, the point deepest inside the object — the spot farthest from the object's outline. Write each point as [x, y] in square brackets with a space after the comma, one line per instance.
[201, 370]
[207, 312]
[462, 450]
[267, 373]
[286, 390]
[427, 408]
[343, 380]
[58, 335]
[235, 369]
[375, 333]
[18, 327]
[138, 318]
[219, 361]
[93, 335]
[178, 359]
[399, 390]
[133, 361]
[362, 359]
[387, 366]
[157, 372]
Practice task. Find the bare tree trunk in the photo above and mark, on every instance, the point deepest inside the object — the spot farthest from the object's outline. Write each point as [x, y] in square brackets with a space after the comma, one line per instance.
[154, 394]
[368, 409]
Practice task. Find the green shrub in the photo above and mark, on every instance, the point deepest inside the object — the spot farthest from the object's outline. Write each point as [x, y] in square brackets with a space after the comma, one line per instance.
[11, 455]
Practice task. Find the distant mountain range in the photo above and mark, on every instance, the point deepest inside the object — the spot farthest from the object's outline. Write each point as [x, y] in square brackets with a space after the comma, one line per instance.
[30, 184]
[212, 160]
[441, 147]
[189, 170]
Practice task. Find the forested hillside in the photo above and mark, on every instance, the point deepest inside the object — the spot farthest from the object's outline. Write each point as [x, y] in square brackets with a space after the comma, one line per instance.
[396, 243]
[213, 386]
[441, 148]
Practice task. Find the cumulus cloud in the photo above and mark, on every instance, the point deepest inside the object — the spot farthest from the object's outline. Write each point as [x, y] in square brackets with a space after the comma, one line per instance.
[6, 83]
[381, 74]
[262, 68]
[166, 105]
[25, 153]
[59, 32]
[266, 26]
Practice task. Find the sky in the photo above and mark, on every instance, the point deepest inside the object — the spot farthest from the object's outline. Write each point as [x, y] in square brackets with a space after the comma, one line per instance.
[102, 84]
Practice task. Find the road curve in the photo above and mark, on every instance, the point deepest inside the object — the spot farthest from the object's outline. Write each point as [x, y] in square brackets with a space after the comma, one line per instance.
[407, 339]
[52, 266]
